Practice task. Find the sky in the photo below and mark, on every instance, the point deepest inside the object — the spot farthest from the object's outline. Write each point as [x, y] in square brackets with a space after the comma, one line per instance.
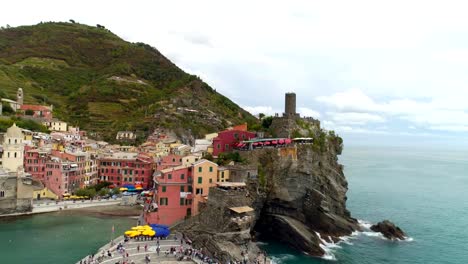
[388, 72]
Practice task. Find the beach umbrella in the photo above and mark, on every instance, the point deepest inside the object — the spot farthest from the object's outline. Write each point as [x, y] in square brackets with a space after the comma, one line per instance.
[274, 142]
[267, 143]
[281, 141]
[288, 141]
[149, 232]
[123, 189]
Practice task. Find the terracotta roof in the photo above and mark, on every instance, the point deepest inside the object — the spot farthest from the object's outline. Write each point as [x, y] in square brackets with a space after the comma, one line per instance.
[35, 107]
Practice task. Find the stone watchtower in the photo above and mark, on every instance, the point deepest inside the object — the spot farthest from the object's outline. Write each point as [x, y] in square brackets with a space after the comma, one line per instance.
[19, 96]
[290, 106]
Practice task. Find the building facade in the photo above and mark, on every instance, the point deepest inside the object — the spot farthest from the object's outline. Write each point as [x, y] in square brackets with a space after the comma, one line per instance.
[127, 168]
[225, 140]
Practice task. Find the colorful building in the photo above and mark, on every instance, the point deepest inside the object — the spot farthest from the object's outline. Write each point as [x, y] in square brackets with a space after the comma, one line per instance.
[204, 174]
[172, 200]
[127, 169]
[223, 174]
[226, 140]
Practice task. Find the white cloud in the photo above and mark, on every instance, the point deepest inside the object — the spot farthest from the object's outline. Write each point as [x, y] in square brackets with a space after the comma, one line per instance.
[307, 112]
[255, 110]
[352, 118]
[355, 107]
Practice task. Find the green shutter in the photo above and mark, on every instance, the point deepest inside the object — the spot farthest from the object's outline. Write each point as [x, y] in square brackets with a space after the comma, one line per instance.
[164, 189]
[199, 179]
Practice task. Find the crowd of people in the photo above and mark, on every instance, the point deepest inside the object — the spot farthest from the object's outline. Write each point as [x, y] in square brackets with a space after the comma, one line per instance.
[182, 252]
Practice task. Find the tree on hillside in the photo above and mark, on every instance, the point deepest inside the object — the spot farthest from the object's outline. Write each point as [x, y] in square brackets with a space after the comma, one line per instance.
[29, 112]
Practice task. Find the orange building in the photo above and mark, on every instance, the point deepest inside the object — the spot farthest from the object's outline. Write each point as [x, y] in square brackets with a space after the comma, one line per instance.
[205, 175]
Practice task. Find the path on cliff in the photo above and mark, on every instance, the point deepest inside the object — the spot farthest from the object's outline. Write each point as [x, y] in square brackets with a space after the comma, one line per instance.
[299, 227]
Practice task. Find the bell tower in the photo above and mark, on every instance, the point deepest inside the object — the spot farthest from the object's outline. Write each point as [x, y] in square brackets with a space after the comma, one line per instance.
[19, 96]
[13, 149]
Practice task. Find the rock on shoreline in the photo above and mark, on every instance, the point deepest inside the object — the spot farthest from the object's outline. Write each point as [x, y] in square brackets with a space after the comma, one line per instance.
[389, 230]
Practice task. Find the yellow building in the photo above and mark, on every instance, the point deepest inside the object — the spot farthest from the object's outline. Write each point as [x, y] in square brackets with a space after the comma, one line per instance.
[56, 125]
[190, 159]
[44, 194]
[204, 174]
[223, 174]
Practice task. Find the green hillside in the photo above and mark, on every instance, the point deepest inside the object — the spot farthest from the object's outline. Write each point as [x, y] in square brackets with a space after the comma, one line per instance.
[104, 84]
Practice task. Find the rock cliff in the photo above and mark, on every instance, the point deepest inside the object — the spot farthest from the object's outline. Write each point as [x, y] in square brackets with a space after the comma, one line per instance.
[298, 197]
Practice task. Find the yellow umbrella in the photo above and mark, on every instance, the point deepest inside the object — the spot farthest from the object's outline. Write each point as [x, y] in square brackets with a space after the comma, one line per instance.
[148, 233]
[123, 189]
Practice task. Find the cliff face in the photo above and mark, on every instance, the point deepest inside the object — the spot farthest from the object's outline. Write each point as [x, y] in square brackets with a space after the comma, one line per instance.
[299, 194]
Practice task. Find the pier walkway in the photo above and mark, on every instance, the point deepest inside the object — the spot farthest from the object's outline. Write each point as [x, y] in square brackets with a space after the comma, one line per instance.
[135, 249]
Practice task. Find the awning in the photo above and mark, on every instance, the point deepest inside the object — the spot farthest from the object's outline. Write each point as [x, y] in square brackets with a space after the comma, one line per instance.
[281, 141]
[241, 209]
[288, 141]
[274, 142]
[267, 143]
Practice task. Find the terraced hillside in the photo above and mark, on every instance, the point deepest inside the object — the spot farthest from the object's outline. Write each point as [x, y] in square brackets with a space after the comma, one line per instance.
[104, 84]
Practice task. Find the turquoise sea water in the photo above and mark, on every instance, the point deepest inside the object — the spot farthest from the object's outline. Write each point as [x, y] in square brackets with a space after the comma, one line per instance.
[424, 191]
[60, 237]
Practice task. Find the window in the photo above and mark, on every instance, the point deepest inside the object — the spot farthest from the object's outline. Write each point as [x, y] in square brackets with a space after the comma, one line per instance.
[199, 191]
[125, 179]
[182, 201]
[15, 154]
[189, 189]
[219, 146]
[199, 169]
[236, 136]
[169, 176]
[164, 189]
[163, 201]
[182, 176]
[226, 147]
[188, 202]
[2, 193]
[200, 179]
[211, 169]
[222, 174]
[211, 180]
[182, 188]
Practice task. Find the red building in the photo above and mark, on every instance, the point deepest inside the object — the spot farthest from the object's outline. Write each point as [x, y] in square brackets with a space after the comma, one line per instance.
[35, 163]
[127, 168]
[226, 140]
[39, 111]
[172, 200]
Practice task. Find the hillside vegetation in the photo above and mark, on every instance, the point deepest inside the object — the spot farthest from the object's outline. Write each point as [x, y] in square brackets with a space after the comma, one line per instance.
[104, 84]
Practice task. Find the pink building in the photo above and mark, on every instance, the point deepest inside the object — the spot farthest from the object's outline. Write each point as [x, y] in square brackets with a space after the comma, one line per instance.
[172, 200]
[50, 170]
[57, 176]
[226, 140]
[76, 169]
[127, 168]
[169, 161]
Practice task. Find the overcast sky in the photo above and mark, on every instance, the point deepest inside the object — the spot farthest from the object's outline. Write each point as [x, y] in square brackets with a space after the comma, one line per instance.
[368, 69]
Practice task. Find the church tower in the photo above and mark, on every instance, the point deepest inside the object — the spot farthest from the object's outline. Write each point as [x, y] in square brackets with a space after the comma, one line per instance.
[19, 96]
[13, 149]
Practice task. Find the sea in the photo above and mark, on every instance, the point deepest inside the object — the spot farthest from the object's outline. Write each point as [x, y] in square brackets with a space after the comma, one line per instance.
[422, 190]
